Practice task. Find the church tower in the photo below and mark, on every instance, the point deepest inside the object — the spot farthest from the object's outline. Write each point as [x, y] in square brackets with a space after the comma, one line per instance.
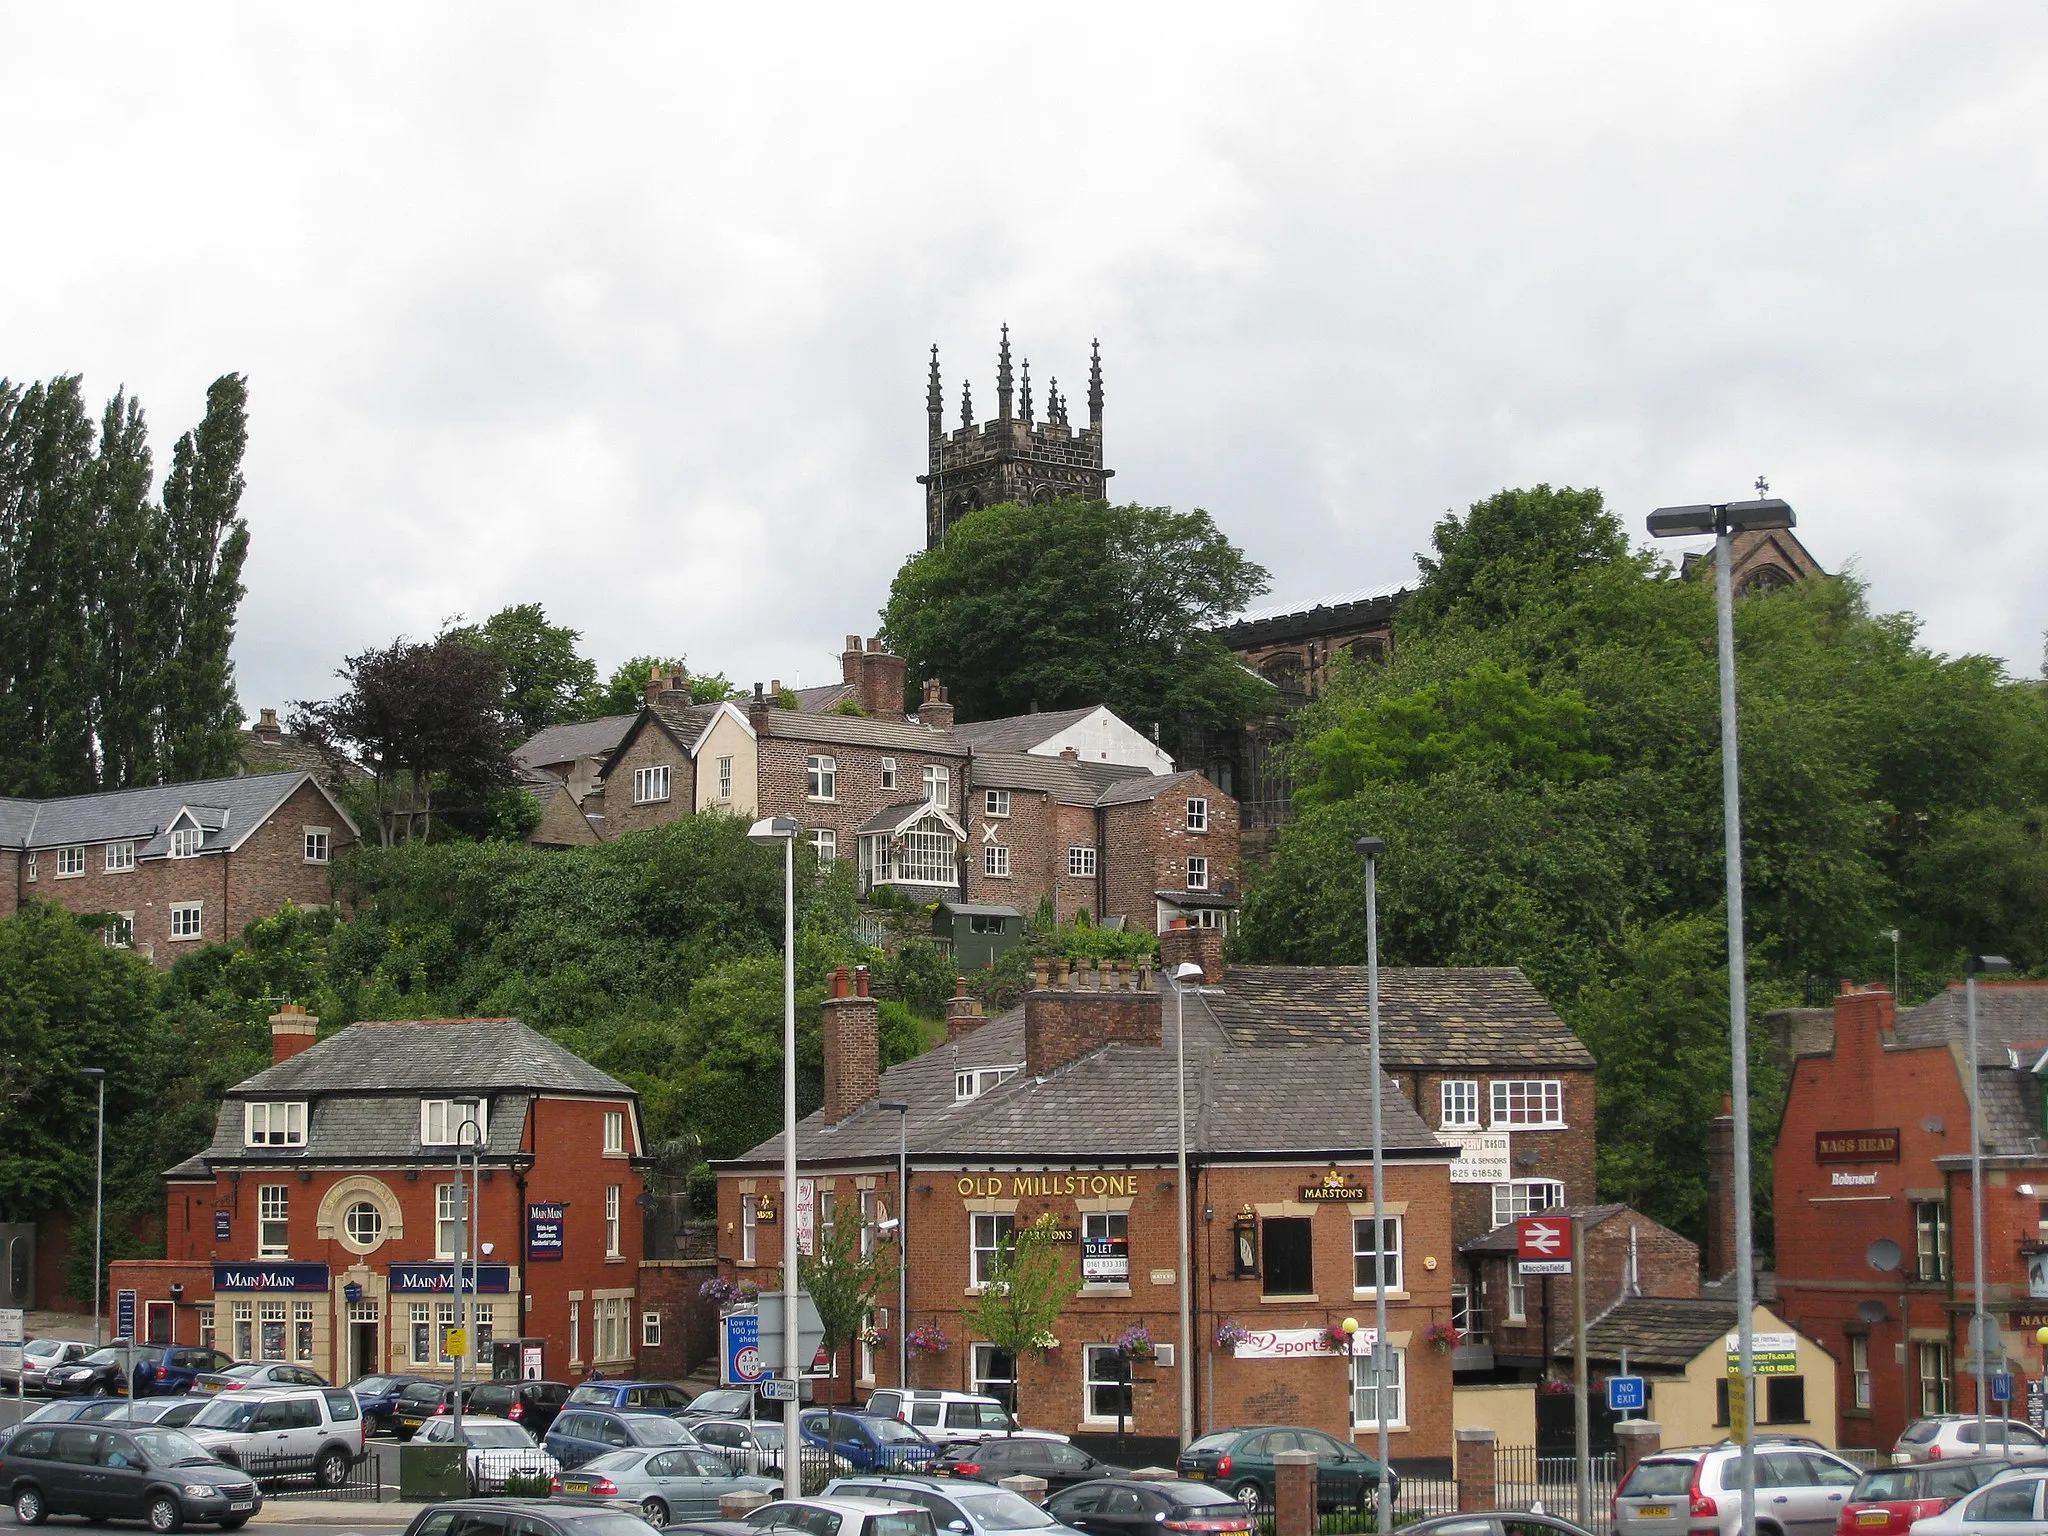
[1018, 456]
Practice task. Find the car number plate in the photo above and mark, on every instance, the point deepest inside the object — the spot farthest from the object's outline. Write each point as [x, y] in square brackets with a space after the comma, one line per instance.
[1653, 1511]
[1873, 1517]
[1197, 1476]
[575, 1487]
[242, 1504]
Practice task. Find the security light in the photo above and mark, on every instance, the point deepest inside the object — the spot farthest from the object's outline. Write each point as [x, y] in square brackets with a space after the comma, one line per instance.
[1187, 970]
[1724, 517]
[1987, 965]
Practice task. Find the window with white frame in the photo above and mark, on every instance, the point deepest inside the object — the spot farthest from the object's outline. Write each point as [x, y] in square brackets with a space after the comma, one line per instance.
[995, 861]
[1105, 1248]
[821, 777]
[273, 1221]
[1528, 1103]
[867, 1222]
[1518, 1294]
[207, 1335]
[70, 862]
[928, 857]
[748, 1231]
[422, 1333]
[1198, 873]
[245, 1330]
[442, 1120]
[185, 842]
[1368, 1259]
[575, 1331]
[444, 1325]
[119, 932]
[993, 1234]
[1525, 1197]
[1081, 863]
[611, 1226]
[272, 1316]
[650, 784]
[188, 919]
[1376, 1402]
[993, 1373]
[274, 1125]
[483, 1326]
[1934, 1379]
[650, 1330]
[825, 844]
[888, 773]
[615, 1130]
[725, 778]
[318, 841]
[302, 1330]
[1105, 1387]
[1198, 815]
[976, 1081]
[29, 872]
[1207, 917]
[446, 1220]
[938, 784]
[995, 802]
[1459, 1098]
[828, 1218]
[120, 857]
[1859, 1367]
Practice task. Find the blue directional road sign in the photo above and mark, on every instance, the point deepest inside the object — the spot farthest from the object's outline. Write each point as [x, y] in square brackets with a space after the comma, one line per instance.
[1626, 1394]
[2001, 1388]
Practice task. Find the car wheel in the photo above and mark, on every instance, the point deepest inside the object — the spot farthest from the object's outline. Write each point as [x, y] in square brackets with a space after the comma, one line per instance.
[1247, 1493]
[332, 1469]
[655, 1511]
[165, 1515]
[29, 1508]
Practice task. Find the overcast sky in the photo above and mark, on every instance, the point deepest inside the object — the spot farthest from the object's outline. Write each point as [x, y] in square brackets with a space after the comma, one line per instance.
[625, 309]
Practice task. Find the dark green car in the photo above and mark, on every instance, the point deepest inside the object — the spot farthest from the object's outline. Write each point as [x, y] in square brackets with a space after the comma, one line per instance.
[1241, 1462]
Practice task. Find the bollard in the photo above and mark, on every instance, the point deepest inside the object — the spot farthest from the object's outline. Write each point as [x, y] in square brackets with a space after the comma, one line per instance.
[1024, 1485]
[1294, 1493]
[1476, 1489]
[1633, 1440]
[738, 1504]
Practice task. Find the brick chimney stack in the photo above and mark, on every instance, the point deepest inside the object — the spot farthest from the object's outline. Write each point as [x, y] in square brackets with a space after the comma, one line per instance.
[963, 1013]
[673, 690]
[876, 676]
[937, 710]
[292, 1030]
[1720, 1253]
[267, 728]
[853, 1045]
[1067, 1013]
[757, 711]
[1182, 945]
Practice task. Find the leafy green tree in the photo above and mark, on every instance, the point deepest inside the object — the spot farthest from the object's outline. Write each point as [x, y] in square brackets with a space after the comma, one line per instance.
[1031, 1279]
[1081, 602]
[546, 679]
[128, 615]
[626, 689]
[843, 1282]
[1513, 551]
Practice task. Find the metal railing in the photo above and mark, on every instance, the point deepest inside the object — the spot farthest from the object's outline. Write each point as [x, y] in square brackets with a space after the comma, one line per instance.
[299, 1477]
[1522, 1479]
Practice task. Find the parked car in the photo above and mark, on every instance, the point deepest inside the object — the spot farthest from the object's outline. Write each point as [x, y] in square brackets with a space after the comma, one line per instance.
[2009, 1506]
[748, 1445]
[950, 1416]
[98, 1471]
[646, 1396]
[156, 1370]
[1117, 1506]
[1887, 1501]
[533, 1404]
[63, 1411]
[1942, 1435]
[529, 1517]
[173, 1370]
[419, 1401]
[992, 1460]
[320, 1429]
[170, 1412]
[493, 1449]
[578, 1433]
[378, 1396]
[843, 1517]
[1241, 1460]
[1685, 1492]
[957, 1507]
[661, 1483]
[1495, 1522]
[868, 1444]
[241, 1375]
[730, 1403]
[39, 1357]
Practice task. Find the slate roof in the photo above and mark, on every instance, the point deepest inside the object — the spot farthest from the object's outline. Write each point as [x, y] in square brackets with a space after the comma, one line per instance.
[1150, 787]
[1504, 1239]
[227, 809]
[577, 738]
[286, 753]
[379, 1129]
[856, 731]
[1068, 783]
[2008, 1012]
[1660, 1332]
[436, 1055]
[824, 698]
[686, 721]
[1019, 733]
[1464, 1017]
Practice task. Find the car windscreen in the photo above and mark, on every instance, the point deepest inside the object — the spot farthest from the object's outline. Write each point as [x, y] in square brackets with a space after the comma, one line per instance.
[246, 1372]
[43, 1349]
[374, 1386]
[1886, 1487]
[599, 1395]
[226, 1413]
[1658, 1479]
[1003, 1510]
[108, 1356]
[614, 1461]
[893, 1429]
[654, 1431]
[495, 1437]
[1200, 1493]
[172, 1448]
[1221, 1440]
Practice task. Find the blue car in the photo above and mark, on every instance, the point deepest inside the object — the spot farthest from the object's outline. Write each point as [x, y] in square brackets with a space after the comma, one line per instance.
[631, 1396]
[580, 1433]
[378, 1396]
[869, 1444]
[61, 1411]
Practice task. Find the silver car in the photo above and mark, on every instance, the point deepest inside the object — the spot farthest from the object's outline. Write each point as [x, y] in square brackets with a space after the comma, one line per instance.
[666, 1484]
[493, 1450]
[1800, 1491]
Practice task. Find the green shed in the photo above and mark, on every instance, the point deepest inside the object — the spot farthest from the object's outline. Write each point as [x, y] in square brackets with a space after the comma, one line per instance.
[977, 933]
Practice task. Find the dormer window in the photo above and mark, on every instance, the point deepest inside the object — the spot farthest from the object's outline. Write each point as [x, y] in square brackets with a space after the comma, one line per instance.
[185, 842]
[274, 1125]
[973, 1084]
[441, 1122]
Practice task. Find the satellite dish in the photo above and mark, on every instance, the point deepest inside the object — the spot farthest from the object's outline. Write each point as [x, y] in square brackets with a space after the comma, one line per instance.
[1884, 1255]
[1872, 1312]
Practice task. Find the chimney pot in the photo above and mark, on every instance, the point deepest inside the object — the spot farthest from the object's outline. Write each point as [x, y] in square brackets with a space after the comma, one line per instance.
[874, 645]
[936, 711]
[860, 981]
[266, 725]
[292, 1030]
[852, 1029]
[1070, 755]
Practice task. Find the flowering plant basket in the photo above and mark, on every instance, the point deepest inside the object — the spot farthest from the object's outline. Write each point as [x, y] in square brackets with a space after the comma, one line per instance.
[1338, 1339]
[928, 1339]
[1230, 1333]
[1443, 1338]
[721, 1292]
[871, 1337]
[1135, 1343]
[1045, 1343]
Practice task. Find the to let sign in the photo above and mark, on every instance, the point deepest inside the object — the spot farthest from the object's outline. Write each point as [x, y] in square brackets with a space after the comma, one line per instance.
[1868, 1146]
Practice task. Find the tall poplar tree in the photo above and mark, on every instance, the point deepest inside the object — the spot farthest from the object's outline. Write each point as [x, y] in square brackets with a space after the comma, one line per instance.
[128, 635]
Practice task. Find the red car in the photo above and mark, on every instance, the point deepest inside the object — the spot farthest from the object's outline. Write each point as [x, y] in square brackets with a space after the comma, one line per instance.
[1887, 1502]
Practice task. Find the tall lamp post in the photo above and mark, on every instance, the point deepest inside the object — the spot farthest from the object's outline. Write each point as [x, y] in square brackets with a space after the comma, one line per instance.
[1184, 975]
[768, 831]
[902, 1112]
[1724, 521]
[1372, 848]
[1980, 1324]
[468, 1139]
[98, 1077]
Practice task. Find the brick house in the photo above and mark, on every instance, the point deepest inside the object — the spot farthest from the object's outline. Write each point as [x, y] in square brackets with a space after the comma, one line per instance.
[320, 1224]
[176, 864]
[1091, 733]
[1873, 1147]
[1066, 1105]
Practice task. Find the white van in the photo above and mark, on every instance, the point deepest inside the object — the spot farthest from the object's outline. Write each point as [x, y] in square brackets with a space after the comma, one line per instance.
[285, 1432]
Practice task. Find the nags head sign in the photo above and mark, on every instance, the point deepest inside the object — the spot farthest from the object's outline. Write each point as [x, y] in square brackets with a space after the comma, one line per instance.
[1866, 1146]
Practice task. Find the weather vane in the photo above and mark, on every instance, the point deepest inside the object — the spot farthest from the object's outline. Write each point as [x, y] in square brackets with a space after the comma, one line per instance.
[1763, 488]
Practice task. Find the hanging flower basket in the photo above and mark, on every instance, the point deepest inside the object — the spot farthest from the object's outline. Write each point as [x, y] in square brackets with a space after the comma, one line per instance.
[1230, 1333]
[1045, 1343]
[1338, 1339]
[928, 1339]
[723, 1293]
[873, 1338]
[1135, 1343]
[1443, 1338]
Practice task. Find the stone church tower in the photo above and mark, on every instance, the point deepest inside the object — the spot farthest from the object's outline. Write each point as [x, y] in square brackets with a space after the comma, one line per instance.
[1017, 457]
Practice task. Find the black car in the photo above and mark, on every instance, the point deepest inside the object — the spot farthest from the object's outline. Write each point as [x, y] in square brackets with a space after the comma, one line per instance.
[377, 1394]
[157, 1370]
[993, 1459]
[104, 1471]
[730, 1403]
[419, 1401]
[532, 1404]
[501, 1517]
[1122, 1506]
[1241, 1460]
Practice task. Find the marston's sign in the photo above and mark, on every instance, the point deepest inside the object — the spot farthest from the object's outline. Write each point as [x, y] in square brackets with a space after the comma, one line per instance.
[1019, 1185]
[270, 1277]
[1336, 1186]
[1856, 1146]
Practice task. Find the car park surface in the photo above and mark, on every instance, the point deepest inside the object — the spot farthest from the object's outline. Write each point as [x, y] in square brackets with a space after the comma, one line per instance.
[663, 1484]
[1117, 1506]
[102, 1472]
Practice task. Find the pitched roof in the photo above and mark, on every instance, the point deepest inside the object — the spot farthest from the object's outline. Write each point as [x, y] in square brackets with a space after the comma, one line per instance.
[1069, 783]
[576, 738]
[898, 819]
[857, 731]
[1150, 787]
[824, 698]
[283, 752]
[1463, 1017]
[228, 810]
[371, 1128]
[430, 1055]
[1505, 1239]
[1019, 733]
[2008, 1013]
[1665, 1332]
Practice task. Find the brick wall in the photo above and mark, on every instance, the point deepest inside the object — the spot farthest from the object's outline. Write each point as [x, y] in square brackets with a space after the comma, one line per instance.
[651, 746]
[688, 1324]
[1148, 845]
[785, 785]
[1565, 1154]
[1062, 1022]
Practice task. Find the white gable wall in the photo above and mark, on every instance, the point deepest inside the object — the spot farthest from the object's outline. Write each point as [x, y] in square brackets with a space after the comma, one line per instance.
[1100, 737]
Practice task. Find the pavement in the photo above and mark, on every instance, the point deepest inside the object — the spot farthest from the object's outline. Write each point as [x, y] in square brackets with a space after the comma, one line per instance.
[395, 1514]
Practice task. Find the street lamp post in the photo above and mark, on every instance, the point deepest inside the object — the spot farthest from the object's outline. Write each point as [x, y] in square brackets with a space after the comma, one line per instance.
[768, 831]
[1372, 848]
[1184, 974]
[98, 1077]
[1724, 521]
[468, 1138]
[902, 1112]
[1980, 1324]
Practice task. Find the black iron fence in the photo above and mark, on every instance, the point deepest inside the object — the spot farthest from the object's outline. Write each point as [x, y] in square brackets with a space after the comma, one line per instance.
[326, 1475]
[1523, 1479]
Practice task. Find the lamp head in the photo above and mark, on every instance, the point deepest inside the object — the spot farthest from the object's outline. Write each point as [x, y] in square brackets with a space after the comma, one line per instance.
[1681, 522]
[1350, 1325]
[1371, 847]
[1187, 971]
[92, 1074]
[1757, 516]
[2041, 1335]
[772, 829]
[897, 1105]
[1987, 965]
